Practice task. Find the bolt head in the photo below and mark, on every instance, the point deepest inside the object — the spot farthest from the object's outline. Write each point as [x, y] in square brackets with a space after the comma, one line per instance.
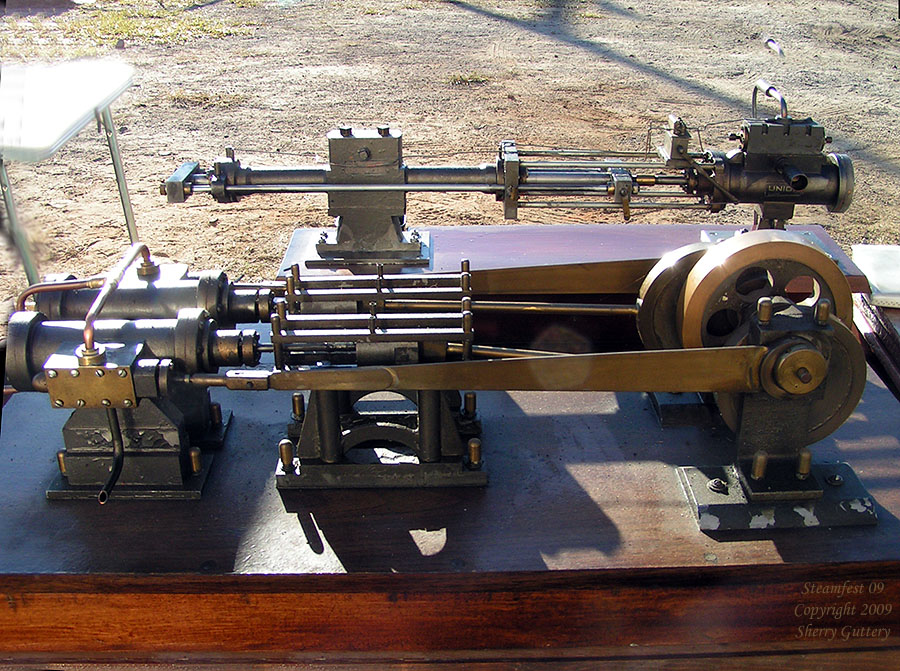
[100, 372]
[127, 403]
[58, 403]
[51, 373]
[717, 485]
[105, 403]
[835, 480]
[80, 403]
[74, 372]
[122, 372]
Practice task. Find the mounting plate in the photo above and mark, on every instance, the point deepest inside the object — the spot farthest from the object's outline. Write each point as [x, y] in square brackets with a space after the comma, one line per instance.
[845, 503]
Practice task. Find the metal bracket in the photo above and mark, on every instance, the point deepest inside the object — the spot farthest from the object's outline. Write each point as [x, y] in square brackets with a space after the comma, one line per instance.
[509, 157]
[71, 385]
[720, 503]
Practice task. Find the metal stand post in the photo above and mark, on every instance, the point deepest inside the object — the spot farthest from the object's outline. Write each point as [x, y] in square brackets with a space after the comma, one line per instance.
[20, 240]
[106, 117]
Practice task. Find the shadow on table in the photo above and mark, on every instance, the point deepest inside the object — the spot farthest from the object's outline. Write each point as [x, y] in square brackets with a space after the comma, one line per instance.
[532, 511]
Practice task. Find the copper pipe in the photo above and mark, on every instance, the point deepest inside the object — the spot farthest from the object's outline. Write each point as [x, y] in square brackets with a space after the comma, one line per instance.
[64, 285]
[109, 286]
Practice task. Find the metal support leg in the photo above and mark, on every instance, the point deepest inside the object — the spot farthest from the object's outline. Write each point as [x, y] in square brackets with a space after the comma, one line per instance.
[429, 426]
[20, 240]
[106, 117]
[328, 409]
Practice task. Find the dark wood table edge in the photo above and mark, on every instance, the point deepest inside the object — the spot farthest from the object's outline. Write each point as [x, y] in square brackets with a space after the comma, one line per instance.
[604, 614]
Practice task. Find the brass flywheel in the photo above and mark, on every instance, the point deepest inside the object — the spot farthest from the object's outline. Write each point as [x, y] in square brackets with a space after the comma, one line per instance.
[723, 287]
[658, 318]
[719, 303]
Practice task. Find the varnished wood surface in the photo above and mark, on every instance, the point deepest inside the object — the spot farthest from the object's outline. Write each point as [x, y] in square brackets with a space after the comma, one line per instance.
[501, 248]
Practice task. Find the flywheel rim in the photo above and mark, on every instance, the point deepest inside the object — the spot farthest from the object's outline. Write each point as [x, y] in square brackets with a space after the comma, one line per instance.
[722, 287]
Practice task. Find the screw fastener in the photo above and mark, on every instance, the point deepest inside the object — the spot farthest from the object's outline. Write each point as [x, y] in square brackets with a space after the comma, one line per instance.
[835, 480]
[717, 485]
[51, 373]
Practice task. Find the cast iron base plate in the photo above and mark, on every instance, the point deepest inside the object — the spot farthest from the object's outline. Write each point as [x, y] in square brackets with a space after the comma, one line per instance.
[355, 476]
[844, 503]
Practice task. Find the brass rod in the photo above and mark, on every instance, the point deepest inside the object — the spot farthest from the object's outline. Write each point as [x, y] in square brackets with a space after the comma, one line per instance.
[603, 153]
[486, 351]
[516, 306]
[612, 206]
[353, 188]
[642, 165]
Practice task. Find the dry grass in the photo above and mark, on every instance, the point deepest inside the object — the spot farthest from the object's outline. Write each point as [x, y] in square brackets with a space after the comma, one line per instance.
[468, 79]
[89, 29]
[205, 100]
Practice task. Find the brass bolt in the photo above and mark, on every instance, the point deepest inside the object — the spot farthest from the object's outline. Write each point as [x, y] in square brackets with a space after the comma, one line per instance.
[764, 310]
[760, 461]
[469, 404]
[804, 463]
[286, 454]
[215, 414]
[51, 373]
[823, 311]
[196, 460]
[61, 460]
[298, 407]
[474, 453]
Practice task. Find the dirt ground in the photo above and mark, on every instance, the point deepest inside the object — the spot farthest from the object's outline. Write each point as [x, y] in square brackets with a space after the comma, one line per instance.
[271, 77]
